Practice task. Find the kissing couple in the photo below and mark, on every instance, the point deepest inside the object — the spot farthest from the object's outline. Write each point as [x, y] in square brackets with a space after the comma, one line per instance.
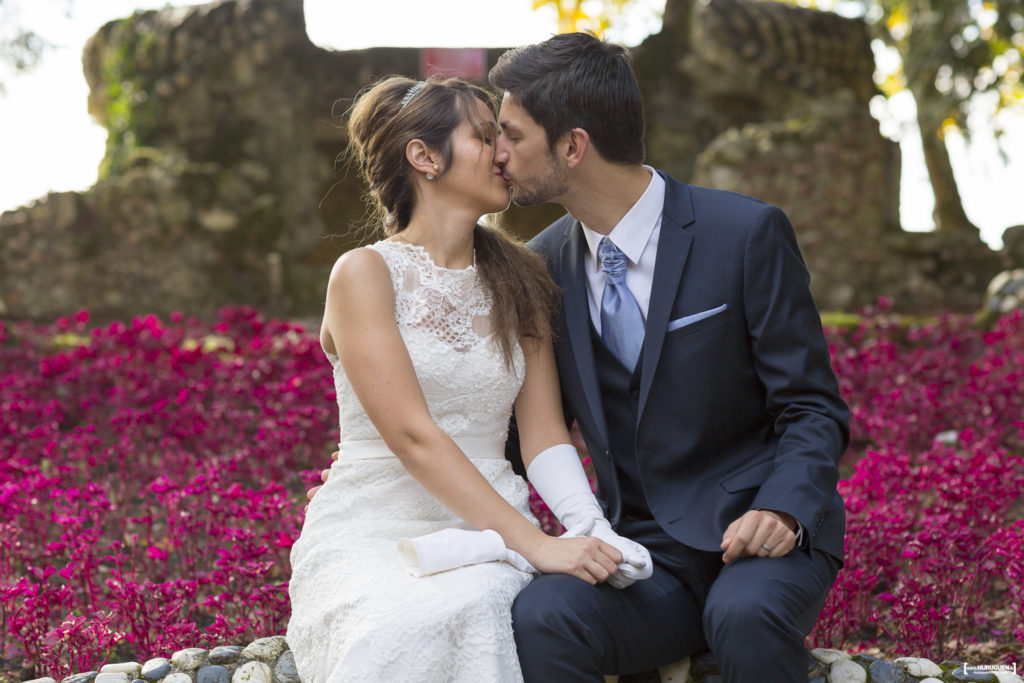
[672, 323]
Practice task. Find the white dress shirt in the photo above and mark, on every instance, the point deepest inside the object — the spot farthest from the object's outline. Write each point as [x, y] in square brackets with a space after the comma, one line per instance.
[636, 235]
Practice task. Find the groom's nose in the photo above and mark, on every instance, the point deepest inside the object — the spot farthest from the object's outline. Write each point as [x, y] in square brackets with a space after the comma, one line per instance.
[501, 151]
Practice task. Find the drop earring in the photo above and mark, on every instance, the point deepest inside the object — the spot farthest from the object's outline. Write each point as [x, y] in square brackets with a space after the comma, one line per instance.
[431, 176]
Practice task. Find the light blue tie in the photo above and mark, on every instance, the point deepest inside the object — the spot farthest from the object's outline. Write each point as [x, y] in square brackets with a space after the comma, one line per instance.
[622, 322]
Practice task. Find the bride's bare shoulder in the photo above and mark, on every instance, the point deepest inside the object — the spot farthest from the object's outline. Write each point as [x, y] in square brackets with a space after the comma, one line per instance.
[359, 269]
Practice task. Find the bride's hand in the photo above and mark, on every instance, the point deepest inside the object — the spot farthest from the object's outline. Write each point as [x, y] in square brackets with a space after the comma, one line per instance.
[323, 477]
[588, 559]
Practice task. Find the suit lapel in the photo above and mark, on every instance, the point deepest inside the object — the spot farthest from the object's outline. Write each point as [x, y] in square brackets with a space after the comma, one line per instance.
[577, 306]
[673, 249]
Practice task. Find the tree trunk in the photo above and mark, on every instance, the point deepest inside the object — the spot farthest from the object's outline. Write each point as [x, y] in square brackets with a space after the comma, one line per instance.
[949, 213]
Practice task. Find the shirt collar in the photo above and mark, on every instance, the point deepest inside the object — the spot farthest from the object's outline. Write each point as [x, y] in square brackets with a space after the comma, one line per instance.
[632, 233]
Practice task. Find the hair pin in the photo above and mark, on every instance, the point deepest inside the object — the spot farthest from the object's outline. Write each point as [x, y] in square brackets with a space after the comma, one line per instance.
[412, 93]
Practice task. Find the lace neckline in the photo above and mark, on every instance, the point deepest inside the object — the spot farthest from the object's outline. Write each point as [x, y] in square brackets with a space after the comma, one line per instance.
[424, 257]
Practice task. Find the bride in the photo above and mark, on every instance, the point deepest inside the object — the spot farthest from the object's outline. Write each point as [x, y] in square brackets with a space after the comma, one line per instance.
[434, 335]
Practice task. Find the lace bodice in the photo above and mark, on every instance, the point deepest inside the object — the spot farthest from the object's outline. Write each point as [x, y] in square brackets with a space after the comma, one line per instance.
[444, 318]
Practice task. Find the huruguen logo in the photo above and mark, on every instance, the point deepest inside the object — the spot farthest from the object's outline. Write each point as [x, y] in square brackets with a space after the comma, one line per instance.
[989, 668]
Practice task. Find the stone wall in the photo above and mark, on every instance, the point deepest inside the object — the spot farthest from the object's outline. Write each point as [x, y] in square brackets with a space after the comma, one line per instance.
[268, 660]
[222, 182]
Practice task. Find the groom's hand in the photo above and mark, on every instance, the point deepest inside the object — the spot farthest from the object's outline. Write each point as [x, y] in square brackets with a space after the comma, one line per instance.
[761, 533]
[323, 477]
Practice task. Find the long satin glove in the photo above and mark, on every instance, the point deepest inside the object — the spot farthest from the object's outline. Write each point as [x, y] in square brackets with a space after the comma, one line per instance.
[452, 548]
[558, 477]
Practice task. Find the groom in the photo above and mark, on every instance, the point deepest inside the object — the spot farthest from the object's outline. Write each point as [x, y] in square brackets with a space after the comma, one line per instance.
[692, 357]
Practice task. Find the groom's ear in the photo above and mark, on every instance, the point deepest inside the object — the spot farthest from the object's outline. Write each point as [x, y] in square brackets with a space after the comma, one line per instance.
[575, 146]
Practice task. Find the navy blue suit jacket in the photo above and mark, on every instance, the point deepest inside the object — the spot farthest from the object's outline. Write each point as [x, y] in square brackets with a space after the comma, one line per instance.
[737, 410]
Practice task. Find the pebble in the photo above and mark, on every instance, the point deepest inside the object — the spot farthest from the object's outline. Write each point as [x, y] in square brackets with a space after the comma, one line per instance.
[42, 680]
[931, 680]
[918, 666]
[285, 671]
[253, 672]
[214, 673]
[188, 659]
[86, 677]
[827, 656]
[884, 672]
[156, 668]
[1008, 677]
[131, 669]
[225, 654]
[958, 674]
[178, 678]
[847, 671]
[114, 677]
[265, 649]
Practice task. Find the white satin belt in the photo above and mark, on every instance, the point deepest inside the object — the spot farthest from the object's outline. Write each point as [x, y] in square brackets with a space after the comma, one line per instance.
[491, 449]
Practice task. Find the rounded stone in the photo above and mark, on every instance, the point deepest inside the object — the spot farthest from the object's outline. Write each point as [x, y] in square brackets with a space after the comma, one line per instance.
[252, 672]
[266, 649]
[885, 672]
[225, 654]
[285, 671]
[931, 680]
[46, 679]
[969, 676]
[919, 666]
[1007, 677]
[131, 669]
[112, 677]
[827, 656]
[178, 677]
[847, 671]
[189, 659]
[156, 668]
[86, 677]
[213, 673]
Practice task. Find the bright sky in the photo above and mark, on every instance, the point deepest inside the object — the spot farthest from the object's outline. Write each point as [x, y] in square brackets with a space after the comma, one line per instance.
[48, 141]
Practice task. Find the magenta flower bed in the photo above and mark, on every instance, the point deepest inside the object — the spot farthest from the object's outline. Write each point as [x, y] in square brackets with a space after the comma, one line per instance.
[153, 474]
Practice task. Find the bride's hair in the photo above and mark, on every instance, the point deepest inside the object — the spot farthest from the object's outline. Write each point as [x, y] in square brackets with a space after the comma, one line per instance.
[382, 122]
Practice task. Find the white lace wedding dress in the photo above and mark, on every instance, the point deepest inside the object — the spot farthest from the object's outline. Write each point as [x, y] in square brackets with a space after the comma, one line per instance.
[357, 615]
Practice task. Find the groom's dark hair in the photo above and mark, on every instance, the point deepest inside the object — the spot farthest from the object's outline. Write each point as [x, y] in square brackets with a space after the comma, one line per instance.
[576, 80]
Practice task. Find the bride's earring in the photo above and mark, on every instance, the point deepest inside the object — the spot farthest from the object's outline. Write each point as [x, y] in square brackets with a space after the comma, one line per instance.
[431, 176]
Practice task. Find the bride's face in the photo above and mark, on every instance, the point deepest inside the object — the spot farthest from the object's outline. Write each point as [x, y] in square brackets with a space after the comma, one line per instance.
[473, 176]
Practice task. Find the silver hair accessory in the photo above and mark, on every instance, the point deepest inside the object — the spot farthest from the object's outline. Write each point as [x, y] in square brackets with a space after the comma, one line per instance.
[412, 93]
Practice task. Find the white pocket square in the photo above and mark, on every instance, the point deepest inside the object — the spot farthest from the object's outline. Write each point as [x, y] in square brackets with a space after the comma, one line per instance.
[691, 319]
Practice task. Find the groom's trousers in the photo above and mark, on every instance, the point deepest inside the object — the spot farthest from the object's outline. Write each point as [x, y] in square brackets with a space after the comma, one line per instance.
[753, 615]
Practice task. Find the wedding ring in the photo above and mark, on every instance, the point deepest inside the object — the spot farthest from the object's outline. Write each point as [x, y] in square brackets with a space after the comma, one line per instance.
[766, 549]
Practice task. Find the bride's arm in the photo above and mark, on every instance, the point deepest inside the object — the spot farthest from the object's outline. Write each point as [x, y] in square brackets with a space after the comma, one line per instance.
[539, 404]
[360, 322]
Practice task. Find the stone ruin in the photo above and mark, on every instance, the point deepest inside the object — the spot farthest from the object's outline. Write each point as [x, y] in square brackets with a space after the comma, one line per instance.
[223, 182]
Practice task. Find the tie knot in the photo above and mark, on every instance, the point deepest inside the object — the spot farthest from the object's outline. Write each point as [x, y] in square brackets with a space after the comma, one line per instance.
[613, 261]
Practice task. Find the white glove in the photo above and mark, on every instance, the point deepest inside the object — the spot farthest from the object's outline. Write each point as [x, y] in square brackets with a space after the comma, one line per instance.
[636, 562]
[451, 548]
[558, 477]
[562, 484]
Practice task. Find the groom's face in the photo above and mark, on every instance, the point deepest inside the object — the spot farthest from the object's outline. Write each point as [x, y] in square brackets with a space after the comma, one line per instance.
[531, 168]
